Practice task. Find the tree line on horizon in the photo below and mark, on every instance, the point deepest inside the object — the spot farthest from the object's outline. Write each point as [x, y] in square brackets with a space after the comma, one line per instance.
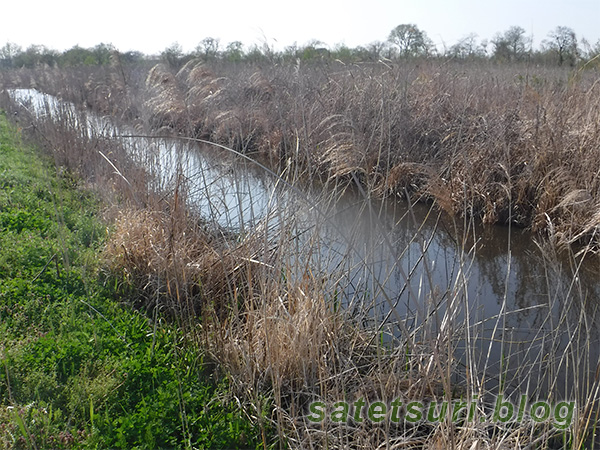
[561, 47]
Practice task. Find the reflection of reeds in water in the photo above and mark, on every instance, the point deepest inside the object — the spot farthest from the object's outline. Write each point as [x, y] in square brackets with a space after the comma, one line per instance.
[268, 312]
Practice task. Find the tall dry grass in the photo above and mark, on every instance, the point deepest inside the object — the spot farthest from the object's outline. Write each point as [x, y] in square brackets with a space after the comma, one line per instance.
[488, 145]
[501, 143]
[511, 144]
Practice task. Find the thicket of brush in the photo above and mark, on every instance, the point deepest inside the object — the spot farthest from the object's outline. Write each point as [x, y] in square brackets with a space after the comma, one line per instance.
[500, 144]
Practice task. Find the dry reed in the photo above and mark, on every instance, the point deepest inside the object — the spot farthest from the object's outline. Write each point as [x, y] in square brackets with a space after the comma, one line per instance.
[498, 143]
[490, 145]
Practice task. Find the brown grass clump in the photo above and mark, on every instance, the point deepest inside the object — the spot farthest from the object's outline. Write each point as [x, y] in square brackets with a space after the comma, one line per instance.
[179, 265]
[283, 341]
[167, 102]
[295, 346]
[154, 256]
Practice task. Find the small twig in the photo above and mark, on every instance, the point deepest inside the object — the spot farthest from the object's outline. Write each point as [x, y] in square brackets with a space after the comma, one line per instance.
[45, 267]
[107, 321]
[117, 171]
[10, 397]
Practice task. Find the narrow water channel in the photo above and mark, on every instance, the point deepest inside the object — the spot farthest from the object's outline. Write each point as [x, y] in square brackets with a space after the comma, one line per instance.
[530, 323]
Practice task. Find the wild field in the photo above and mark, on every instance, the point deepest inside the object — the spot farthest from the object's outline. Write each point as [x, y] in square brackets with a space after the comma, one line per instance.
[510, 145]
[500, 143]
[79, 367]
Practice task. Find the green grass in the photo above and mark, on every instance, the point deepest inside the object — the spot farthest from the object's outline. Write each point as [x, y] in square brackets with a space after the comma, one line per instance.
[78, 367]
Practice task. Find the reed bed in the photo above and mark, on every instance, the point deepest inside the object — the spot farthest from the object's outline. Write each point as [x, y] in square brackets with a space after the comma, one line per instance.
[492, 144]
[500, 143]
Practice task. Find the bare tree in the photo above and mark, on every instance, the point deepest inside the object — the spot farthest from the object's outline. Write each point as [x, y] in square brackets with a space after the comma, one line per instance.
[512, 45]
[234, 51]
[208, 48]
[563, 42]
[8, 53]
[590, 52]
[467, 47]
[173, 54]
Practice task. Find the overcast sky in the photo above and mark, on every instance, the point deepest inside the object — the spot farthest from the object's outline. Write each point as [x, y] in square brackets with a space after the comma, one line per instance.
[151, 26]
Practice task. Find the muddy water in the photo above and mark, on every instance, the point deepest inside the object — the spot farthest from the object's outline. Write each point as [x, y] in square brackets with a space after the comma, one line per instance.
[521, 320]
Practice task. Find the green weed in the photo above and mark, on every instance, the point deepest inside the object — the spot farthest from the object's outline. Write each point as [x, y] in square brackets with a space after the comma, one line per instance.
[77, 368]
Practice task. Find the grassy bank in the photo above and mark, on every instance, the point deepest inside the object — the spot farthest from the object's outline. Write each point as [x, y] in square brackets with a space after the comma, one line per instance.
[264, 302]
[78, 367]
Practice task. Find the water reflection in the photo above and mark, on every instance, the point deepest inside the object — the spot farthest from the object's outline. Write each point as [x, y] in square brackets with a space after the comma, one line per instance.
[520, 312]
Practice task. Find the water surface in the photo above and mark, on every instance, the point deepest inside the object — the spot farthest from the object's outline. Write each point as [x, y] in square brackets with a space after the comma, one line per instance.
[520, 312]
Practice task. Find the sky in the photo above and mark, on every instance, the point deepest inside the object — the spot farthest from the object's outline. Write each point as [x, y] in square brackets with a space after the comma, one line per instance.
[152, 26]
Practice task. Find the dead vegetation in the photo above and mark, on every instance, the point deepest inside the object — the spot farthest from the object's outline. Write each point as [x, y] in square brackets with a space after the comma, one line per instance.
[491, 145]
[498, 143]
